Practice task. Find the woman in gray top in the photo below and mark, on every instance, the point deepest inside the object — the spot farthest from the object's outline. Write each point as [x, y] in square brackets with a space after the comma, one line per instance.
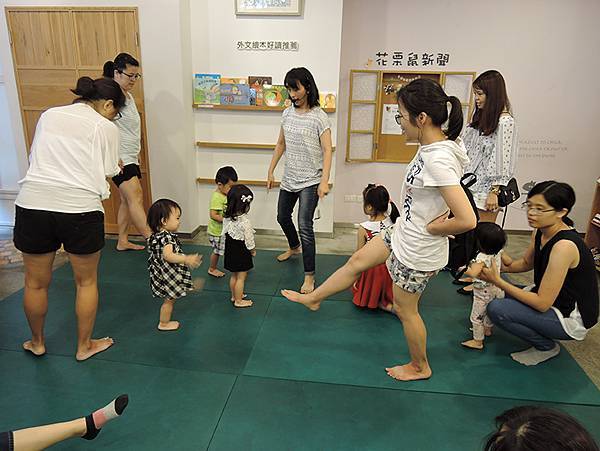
[125, 70]
[305, 138]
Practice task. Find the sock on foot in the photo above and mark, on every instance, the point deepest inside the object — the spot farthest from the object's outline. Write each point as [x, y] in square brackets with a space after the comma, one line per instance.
[96, 420]
[534, 356]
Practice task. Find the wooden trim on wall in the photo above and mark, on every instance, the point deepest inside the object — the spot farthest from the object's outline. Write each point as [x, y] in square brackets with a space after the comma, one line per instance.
[249, 108]
[211, 181]
[225, 145]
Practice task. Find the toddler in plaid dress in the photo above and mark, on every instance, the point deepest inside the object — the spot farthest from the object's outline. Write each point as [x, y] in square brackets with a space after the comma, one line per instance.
[170, 276]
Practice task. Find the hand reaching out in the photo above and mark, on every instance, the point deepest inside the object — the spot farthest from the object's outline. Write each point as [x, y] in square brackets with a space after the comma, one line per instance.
[193, 260]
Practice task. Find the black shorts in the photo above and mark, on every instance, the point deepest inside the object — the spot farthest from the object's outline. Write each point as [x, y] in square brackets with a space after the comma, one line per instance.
[6, 441]
[129, 171]
[41, 231]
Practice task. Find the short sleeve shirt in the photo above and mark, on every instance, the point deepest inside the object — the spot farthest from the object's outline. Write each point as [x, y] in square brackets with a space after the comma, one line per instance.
[218, 202]
[303, 153]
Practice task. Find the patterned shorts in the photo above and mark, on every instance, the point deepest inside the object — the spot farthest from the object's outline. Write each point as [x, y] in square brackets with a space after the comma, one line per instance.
[218, 244]
[411, 280]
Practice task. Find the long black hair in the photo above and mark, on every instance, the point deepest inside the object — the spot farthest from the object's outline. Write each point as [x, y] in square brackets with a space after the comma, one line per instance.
[559, 196]
[89, 90]
[425, 95]
[303, 76]
[159, 213]
[238, 201]
[379, 199]
[119, 64]
[531, 428]
[493, 86]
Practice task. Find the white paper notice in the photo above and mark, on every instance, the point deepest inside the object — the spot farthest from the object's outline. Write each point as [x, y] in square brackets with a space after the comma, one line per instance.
[389, 126]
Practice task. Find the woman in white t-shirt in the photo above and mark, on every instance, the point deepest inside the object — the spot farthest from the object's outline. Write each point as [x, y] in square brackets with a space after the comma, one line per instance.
[125, 70]
[417, 248]
[60, 203]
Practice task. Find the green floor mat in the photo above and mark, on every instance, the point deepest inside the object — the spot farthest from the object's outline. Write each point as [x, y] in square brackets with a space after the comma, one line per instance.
[168, 409]
[267, 414]
[341, 344]
[214, 335]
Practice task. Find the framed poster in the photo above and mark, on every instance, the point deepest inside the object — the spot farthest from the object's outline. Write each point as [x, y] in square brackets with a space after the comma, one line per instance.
[268, 7]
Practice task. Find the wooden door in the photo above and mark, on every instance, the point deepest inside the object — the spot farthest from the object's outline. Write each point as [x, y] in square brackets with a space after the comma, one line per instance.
[53, 47]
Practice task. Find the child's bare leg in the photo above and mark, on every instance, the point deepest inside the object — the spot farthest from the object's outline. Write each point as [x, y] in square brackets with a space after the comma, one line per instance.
[406, 308]
[478, 321]
[166, 310]
[212, 269]
[238, 293]
[42, 437]
[371, 254]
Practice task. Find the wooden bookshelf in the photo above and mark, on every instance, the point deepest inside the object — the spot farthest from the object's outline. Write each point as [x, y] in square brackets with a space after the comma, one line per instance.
[263, 183]
[250, 146]
[249, 108]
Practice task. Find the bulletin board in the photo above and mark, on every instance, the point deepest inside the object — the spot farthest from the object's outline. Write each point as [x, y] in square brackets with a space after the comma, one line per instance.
[373, 134]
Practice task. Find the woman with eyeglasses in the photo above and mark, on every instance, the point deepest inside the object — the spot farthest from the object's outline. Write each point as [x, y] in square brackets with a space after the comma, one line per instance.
[125, 70]
[60, 203]
[563, 303]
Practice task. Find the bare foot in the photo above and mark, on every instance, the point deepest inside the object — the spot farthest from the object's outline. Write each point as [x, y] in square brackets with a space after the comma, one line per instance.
[287, 254]
[309, 285]
[244, 296]
[304, 299]
[243, 303]
[386, 307]
[473, 344]
[488, 331]
[129, 246]
[96, 346]
[215, 272]
[408, 372]
[171, 325]
[34, 349]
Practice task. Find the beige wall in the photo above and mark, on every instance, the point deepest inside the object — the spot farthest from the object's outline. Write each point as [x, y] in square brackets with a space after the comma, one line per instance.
[546, 50]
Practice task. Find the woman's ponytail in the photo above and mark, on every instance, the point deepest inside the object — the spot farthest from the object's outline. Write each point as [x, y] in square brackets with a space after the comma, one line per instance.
[89, 90]
[85, 88]
[394, 213]
[455, 120]
[108, 70]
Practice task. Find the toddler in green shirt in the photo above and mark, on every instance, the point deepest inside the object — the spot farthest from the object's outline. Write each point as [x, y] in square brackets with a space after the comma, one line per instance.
[226, 177]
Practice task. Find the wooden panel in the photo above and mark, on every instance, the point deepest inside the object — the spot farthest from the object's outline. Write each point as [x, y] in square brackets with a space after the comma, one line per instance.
[211, 181]
[45, 96]
[126, 26]
[96, 33]
[42, 38]
[51, 77]
[30, 119]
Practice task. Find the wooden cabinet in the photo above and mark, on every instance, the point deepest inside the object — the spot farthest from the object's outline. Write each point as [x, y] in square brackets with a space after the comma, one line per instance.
[53, 47]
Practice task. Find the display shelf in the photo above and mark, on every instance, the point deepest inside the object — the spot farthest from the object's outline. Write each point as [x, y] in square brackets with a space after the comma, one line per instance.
[249, 108]
[250, 146]
[263, 183]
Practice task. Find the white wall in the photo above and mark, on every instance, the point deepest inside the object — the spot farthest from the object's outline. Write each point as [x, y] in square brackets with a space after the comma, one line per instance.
[166, 57]
[547, 52]
[318, 33]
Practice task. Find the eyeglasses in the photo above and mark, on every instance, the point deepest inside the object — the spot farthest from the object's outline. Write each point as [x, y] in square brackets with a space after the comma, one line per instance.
[134, 76]
[398, 117]
[534, 210]
[117, 116]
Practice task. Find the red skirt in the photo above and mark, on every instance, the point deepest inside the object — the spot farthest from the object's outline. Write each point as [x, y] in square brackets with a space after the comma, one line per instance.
[373, 287]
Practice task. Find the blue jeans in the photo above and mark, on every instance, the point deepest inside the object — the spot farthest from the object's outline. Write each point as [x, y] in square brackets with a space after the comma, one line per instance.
[308, 203]
[537, 328]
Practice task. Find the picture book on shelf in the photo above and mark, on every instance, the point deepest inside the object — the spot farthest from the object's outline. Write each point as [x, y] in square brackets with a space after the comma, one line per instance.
[234, 80]
[327, 99]
[235, 94]
[275, 95]
[206, 89]
[256, 83]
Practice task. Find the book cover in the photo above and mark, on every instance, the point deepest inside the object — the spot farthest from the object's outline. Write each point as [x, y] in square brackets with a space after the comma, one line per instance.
[256, 83]
[275, 95]
[235, 94]
[234, 80]
[253, 96]
[327, 99]
[206, 89]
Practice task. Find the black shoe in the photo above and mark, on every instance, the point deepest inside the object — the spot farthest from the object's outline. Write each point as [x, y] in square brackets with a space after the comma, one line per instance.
[464, 283]
[465, 292]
